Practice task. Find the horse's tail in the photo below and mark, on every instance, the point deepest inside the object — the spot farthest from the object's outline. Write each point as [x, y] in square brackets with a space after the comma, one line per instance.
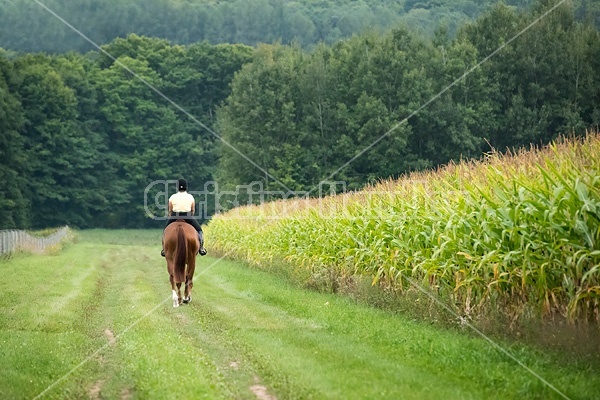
[181, 256]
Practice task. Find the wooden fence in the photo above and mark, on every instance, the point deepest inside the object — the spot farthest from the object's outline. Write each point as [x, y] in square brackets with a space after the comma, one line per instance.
[13, 240]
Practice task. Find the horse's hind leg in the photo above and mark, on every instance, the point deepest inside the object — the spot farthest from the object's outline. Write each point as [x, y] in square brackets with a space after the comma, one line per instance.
[175, 296]
[189, 283]
[178, 294]
[189, 278]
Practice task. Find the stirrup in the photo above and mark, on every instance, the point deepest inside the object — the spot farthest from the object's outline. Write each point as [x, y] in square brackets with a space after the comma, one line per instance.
[202, 251]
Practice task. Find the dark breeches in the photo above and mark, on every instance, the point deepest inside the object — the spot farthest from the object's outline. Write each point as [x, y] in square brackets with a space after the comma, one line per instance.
[185, 217]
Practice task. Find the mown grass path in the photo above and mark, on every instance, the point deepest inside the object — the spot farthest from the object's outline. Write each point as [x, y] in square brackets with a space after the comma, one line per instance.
[246, 335]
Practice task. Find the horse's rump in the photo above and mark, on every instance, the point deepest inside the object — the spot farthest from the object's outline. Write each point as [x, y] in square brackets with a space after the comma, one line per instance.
[181, 246]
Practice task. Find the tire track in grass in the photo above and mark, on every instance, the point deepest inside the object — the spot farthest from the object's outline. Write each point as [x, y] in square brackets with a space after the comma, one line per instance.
[151, 359]
[103, 363]
[260, 391]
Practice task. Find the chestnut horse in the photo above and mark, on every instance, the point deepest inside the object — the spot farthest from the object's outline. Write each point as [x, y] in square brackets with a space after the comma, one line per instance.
[181, 245]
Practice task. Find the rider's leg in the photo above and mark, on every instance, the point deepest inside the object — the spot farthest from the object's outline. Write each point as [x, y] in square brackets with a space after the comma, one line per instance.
[201, 250]
[196, 225]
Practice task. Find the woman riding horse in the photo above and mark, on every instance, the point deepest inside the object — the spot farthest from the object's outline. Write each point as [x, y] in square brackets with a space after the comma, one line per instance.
[181, 245]
[181, 207]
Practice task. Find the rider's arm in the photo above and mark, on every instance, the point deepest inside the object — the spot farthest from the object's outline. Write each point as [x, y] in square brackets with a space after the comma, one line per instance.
[170, 207]
[193, 210]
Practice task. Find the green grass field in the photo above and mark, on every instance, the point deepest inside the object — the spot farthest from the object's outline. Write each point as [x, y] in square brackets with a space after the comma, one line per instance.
[94, 320]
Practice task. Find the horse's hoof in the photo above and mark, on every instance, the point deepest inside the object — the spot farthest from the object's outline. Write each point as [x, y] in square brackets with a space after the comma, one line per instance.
[187, 299]
[175, 305]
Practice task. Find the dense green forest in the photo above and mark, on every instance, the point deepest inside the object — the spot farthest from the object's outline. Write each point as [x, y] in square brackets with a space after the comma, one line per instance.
[304, 115]
[81, 138]
[27, 26]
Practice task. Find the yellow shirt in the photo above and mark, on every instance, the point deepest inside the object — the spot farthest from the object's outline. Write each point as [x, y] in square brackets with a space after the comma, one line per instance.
[181, 202]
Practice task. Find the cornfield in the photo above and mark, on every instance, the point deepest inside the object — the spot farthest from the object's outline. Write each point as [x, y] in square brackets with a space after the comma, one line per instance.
[512, 232]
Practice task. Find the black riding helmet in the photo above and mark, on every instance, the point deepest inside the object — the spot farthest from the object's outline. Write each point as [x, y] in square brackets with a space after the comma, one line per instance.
[181, 185]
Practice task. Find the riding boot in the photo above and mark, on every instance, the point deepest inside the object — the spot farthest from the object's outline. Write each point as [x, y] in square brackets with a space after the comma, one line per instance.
[201, 250]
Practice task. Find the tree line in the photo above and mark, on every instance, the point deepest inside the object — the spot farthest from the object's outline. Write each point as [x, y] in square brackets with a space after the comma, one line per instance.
[304, 115]
[26, 26]
[81, 138]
